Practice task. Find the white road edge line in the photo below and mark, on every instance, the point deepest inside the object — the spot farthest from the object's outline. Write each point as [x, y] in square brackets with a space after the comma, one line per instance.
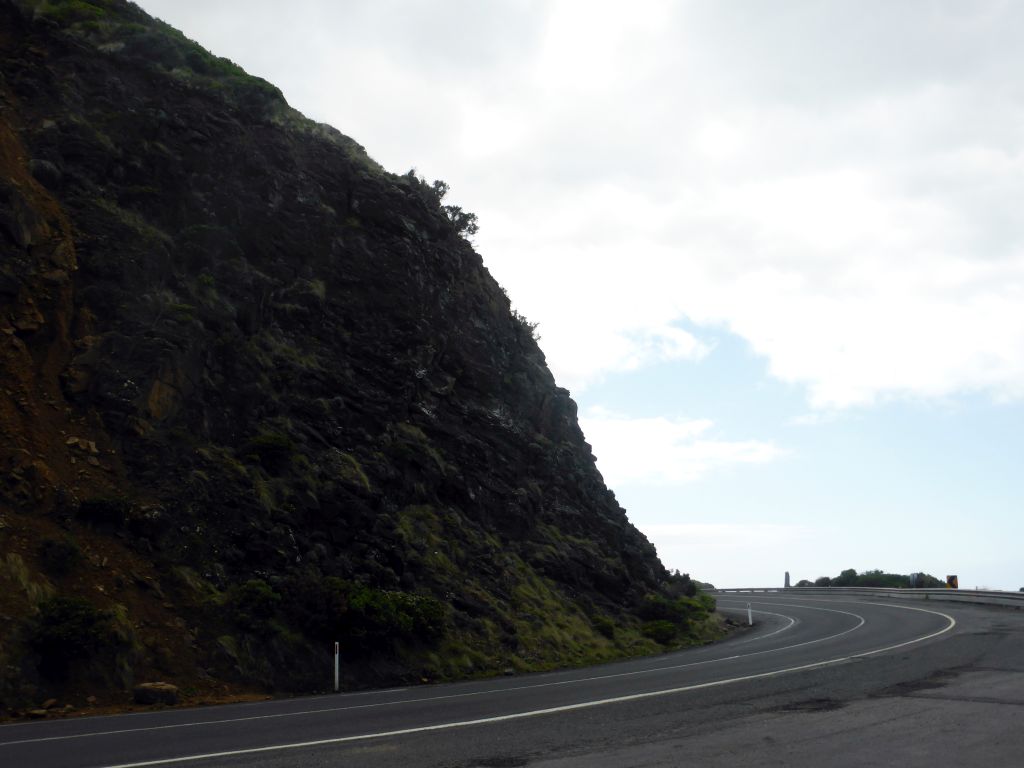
[860, 623]
[421, 700]
[792, 622]
[548, 711]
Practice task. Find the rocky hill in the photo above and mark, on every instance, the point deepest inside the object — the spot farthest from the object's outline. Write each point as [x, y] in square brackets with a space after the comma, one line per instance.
[258, 395]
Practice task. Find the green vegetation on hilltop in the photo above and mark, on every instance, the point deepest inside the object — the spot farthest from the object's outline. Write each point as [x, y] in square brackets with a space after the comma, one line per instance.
[875, 578]
[122, 28]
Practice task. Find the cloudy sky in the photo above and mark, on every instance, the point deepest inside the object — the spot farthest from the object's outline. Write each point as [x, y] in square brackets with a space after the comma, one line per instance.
[774, 249]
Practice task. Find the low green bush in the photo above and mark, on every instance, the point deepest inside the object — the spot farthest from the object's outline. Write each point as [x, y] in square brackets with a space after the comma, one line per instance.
[253, 605]
[658, 608]
[364, 619]
[660, 631]
[707, 602]
[383, 616]
[681, 612]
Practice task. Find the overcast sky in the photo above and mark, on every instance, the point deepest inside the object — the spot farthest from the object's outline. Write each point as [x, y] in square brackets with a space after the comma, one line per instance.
[774, 249]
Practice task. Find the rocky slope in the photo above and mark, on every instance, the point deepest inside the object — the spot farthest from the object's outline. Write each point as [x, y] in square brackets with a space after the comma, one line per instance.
[259, 394]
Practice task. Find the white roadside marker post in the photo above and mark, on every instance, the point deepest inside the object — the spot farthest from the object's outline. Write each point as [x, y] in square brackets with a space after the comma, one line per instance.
[750, 616]
[337, 652]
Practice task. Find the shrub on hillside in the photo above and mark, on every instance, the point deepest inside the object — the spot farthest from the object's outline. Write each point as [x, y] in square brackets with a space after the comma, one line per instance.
[67, 12]
[375, 615]
[363, 618]
[680, 584]
[679, 611]
[66, 629]
[660, 631]
[253, 605]
[604, 626]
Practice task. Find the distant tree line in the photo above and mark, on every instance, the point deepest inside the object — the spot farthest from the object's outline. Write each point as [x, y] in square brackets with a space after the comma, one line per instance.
[876, 578]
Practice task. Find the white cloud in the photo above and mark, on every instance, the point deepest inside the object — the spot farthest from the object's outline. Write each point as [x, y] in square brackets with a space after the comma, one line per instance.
[665, 451]
[583, 357]
[868, 250]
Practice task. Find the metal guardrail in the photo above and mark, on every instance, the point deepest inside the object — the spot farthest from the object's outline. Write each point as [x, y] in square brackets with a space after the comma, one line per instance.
[985, 597]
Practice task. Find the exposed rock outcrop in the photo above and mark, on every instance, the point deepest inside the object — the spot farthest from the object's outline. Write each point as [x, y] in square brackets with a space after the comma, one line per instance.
[255, 384]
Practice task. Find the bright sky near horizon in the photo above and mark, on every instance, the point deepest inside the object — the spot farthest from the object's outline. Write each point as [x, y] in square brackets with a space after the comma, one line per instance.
[774, 249]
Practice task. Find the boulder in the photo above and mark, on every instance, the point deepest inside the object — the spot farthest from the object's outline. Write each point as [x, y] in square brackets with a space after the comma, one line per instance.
[155, 693]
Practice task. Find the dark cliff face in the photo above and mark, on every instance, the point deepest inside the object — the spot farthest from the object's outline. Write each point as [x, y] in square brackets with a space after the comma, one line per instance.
[241, 362]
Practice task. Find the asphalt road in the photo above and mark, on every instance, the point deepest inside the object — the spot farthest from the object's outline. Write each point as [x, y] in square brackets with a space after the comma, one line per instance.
[805, 658]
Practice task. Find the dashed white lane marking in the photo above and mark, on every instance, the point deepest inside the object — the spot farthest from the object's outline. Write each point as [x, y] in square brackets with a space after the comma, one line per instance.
[547, 711]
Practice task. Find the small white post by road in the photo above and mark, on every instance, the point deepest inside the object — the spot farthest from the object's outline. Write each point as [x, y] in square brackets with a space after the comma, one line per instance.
[337, 653]
[750, 616]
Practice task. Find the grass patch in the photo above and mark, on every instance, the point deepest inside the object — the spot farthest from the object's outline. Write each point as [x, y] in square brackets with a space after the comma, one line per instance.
[413, 441]
[70, 12]
[14, 570]
[350, 470]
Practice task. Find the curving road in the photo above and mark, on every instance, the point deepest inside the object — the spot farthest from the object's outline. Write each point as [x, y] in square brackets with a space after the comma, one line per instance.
[842, 648]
